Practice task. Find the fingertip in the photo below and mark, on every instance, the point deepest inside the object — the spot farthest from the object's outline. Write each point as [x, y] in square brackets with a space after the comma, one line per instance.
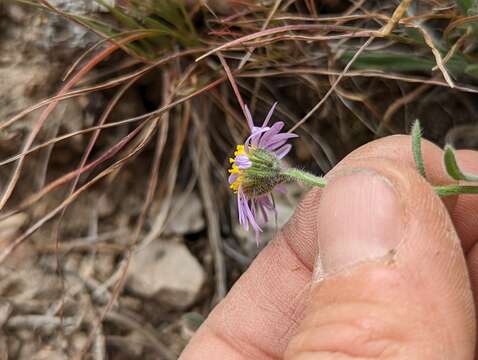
[360, 218]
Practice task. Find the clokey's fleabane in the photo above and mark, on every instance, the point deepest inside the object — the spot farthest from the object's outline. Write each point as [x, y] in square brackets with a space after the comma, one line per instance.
[256, 170]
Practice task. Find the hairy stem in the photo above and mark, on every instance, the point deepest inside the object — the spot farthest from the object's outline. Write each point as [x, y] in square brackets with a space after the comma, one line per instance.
[449, 190]
[304, 177]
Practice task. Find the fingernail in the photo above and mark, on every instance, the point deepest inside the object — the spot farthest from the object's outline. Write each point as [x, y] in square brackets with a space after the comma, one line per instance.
[360, 219]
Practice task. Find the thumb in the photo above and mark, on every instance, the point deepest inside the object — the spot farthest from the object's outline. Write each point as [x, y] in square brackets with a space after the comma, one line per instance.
[391, 279]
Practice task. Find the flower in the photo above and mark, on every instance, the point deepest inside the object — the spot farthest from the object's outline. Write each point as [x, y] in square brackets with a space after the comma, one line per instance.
[256, 170]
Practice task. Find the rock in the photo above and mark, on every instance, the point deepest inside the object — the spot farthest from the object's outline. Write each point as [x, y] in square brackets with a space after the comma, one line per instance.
[104, 266]
[187, 216]
[79, 341]
[167, 272]
[81, 7]
[36, 49]
[135, 341]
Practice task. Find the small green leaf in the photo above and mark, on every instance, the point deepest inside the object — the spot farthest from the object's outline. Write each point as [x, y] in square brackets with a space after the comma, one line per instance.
[390, 61]
[472, 70]
[465, 5]
[452, 167]
[417, 147]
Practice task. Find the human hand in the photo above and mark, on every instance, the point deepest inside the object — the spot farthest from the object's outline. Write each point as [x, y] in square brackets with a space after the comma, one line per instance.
[393, 279]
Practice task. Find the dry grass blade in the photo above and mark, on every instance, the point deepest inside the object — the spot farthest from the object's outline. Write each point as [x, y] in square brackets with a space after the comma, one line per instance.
[202, 167]
[396, 16]
[18, 241]
[386, 30]
[453, 50]
[56, 232]
[154, 174]
[98, 44]
[112, 151]
[145, 331]
[246, 57]
[161, 218]
[233, 84]
[68, 136]
[152, 184]
[334, 85]
[436, 53]
[94, 138]
[273, 31]
[397, 104]
[363, 73]
[125, 264]
[108, 84]
[43, 117]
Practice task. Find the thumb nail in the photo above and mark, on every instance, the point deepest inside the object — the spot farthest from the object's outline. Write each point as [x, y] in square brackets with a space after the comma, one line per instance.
[360, 219]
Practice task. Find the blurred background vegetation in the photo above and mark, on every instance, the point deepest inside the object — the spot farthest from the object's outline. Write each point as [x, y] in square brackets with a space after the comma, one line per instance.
[118, 232]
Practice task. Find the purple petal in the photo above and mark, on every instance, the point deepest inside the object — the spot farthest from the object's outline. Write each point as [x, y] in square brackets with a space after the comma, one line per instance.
[266, 201]
[270, 203]
[241, 213]
[282, 136]
[264, 213]
[263, 208]
[281, 188]
[276, 145]
[241, 205]
[253, 139]
[247, 215]
[274, 130]
[257, 237]
[265, 204]
[275, 212]
[256, 129]
[278, 141]
[269, 114]
[242, 162]
[251, 216]
[283, 151]
[249, 119]
[232, 178]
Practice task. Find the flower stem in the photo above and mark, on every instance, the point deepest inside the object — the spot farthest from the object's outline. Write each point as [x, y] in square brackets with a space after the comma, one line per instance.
[417, 148]
[304, 177]
[449, 190]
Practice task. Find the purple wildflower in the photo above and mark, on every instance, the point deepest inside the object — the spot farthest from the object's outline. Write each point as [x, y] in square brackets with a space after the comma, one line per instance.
[255, 170]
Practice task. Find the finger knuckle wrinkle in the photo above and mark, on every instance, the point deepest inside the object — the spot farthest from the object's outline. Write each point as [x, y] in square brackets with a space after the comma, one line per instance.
[362, 338]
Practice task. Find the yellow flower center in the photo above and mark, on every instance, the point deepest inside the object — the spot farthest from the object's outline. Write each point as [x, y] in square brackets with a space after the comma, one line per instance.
[235, 169]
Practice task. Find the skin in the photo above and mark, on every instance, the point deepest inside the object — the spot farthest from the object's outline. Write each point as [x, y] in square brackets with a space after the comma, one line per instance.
[416, 302]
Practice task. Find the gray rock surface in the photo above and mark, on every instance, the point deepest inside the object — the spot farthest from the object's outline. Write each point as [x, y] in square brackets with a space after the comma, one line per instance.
[166, 271]
[187, 215]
